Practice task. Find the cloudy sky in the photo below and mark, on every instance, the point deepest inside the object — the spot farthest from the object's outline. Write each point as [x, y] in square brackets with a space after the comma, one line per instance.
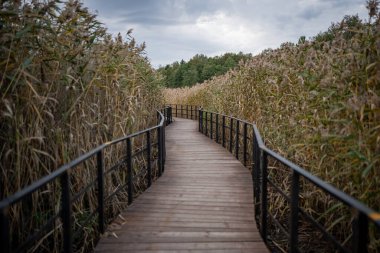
[179, 29]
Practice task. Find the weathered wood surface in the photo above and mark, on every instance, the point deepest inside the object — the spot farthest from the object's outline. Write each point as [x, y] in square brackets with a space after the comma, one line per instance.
[202, 203]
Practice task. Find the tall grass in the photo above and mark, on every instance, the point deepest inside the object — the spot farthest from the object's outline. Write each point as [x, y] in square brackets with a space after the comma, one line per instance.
[317, 103]
[66, 86]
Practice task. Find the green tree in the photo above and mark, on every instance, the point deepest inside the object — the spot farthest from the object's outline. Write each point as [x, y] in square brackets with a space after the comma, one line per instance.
[199, 68]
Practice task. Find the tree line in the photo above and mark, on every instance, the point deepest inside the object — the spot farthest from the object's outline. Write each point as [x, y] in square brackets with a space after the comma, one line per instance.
[199, 68]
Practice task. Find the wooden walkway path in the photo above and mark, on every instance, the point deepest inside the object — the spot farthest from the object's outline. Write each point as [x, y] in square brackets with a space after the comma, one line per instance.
[202, 203]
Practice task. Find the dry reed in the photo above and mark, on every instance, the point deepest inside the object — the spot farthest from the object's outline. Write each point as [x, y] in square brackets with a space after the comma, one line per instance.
[318, 104]
[66, 87]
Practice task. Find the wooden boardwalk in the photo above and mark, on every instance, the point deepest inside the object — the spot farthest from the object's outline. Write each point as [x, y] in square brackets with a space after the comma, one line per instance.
[202, 203]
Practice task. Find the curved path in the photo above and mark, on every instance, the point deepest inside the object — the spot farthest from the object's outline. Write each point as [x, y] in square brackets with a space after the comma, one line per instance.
[202, 203]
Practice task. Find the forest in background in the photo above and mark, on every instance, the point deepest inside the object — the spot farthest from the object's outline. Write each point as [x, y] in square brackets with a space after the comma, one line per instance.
[317, 103]
[199, 69]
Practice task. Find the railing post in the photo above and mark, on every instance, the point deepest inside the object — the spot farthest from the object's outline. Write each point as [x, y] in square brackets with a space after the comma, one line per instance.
[181, 111]
[245, 144]
[100, 162]
[231, 127]
[293, 226]
[360, 233]
[264, 201]
[169, 115]
[163, 148]
[5, 242]
[66, 213]
[224, 131]
[159, 137]
[200, 121]
[211, 134]
[237, 140]
[206, 123]
[129, 171]
[217, 128]
[176, 110]
[255, 172]
[149, 158]
[187, 111]
[164, 113]
[191, 111]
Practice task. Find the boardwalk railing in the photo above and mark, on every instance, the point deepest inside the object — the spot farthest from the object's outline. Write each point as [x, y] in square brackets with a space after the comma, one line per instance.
[64, 214]
[185, 111]
[243, 139]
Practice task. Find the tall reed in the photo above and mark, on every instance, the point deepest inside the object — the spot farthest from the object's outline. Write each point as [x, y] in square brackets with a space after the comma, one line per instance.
[317, 103]
[66, 86]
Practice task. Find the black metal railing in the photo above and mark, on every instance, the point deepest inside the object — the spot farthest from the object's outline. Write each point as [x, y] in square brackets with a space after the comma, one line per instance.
[64, 215]
[243, 139]
[185, 111]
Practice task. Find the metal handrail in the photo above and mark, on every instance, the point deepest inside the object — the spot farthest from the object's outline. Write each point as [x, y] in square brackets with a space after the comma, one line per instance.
[211, 124]
[65, 213]
[179, 109]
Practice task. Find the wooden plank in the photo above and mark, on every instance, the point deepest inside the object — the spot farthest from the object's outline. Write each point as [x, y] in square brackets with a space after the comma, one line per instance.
[201, 225]
[197, 203]
[191, 226]
[189, 251]
[194, 211]
[202, 203]
[188, 189]
[185, 207]
[183, 237]
[165, 247]
[203, 194]
[168, 216]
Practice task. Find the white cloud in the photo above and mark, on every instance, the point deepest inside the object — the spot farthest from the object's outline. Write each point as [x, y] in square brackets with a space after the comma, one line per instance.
[179, 29]
[228, 32]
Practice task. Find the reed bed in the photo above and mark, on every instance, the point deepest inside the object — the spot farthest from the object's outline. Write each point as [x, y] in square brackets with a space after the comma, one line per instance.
[66, 86]
[317, 103]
